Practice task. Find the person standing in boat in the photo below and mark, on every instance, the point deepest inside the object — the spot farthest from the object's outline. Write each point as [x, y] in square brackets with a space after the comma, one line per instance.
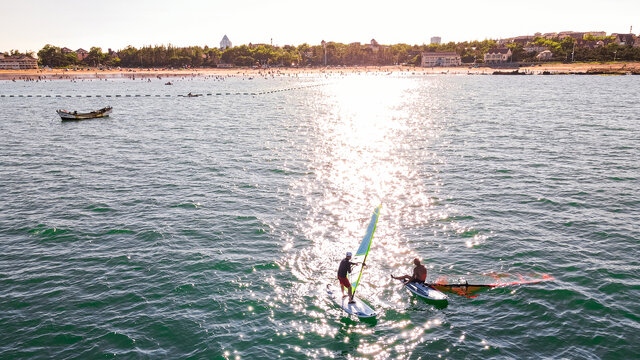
[419, 273]
[345, 268]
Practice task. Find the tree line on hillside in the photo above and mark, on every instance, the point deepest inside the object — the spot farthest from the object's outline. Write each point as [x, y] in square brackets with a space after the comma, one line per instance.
[260, 55]
[17, 53]
[570, 49]
[337, 54]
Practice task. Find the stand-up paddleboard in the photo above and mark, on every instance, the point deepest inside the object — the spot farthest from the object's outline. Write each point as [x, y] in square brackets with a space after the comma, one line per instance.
[359, 308]
[425, 292]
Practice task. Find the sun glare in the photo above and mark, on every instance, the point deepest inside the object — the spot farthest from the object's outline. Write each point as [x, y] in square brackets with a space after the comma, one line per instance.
[361, 128]
[360, 135]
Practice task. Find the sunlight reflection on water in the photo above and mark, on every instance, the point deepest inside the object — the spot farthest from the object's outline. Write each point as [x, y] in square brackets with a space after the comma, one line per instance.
[364, 154]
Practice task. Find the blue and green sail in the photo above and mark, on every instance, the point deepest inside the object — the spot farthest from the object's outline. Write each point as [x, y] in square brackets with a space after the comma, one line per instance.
[365, 245]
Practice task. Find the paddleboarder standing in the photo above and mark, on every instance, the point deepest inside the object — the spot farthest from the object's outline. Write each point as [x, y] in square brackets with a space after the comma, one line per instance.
[419, 273]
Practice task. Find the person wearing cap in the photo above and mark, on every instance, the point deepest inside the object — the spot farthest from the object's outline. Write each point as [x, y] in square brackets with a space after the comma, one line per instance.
[419, 273]
[345, 267]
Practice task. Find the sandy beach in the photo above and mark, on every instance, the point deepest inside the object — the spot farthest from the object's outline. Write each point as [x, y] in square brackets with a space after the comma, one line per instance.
[551, 68]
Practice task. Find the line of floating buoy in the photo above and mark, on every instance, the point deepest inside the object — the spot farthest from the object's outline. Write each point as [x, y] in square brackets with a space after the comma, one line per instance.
[169, 95]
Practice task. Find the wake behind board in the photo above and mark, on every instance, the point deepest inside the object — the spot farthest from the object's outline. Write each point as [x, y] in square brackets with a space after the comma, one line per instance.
[426, 292]
[359, 309]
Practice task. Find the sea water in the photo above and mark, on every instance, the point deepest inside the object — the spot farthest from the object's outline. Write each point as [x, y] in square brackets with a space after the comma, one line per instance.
[209, 227]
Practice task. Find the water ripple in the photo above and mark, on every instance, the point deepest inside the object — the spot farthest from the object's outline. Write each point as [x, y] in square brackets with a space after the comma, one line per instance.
[210, 227]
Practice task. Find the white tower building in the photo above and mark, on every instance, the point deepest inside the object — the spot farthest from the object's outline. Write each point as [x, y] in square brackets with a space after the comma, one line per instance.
[225, 43]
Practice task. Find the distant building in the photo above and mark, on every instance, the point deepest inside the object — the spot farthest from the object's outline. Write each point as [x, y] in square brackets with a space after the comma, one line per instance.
[431, 59]
[592, 44]
[497, 55]
[571, 34]
[596, 33]
[66, 50]
[225, 43]
[374, 46]
[637, 42]
[522, 39]
[436, 40]
[533, 47]
[580, 35]
[574, 34]
[82, 54]
[17, 62]
[624, 39]
[545, 56]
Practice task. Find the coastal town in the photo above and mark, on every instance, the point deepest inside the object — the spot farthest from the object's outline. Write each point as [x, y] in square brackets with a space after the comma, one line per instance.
[528, 50]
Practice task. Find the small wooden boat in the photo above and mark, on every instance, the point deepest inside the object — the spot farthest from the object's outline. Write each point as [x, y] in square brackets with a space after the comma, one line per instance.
[168, 83]
[74, 115]
[192, 95]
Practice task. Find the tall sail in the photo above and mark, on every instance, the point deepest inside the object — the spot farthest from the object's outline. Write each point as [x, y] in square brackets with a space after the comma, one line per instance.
[365, 245]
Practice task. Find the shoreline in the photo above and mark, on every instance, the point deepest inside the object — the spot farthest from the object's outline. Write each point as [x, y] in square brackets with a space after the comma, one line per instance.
[618, 68]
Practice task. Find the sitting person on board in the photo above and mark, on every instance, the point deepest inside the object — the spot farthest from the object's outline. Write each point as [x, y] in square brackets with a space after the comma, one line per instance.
[345, 267]
[419, 273]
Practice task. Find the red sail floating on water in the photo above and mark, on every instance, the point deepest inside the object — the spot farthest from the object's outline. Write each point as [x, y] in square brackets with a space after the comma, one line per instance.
[464, 288]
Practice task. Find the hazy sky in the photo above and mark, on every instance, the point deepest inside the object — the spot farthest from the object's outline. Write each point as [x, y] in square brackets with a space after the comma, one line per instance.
[30, 24]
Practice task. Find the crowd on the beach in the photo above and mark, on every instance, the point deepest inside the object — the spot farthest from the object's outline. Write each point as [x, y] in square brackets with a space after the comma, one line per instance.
[250, 74]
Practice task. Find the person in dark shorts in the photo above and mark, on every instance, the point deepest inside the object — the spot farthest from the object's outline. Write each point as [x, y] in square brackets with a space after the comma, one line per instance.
[345, 268]
[419, 273]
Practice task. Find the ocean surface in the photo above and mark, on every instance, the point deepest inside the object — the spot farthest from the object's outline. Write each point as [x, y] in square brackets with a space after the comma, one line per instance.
[209, 227]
